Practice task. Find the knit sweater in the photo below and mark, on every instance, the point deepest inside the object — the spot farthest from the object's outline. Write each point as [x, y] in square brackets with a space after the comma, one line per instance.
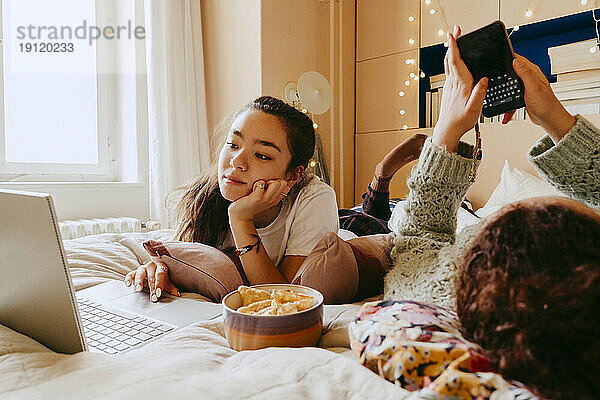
[427, 253]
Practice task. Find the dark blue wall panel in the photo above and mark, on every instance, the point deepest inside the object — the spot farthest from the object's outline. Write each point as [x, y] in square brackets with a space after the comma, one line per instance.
[531, 41]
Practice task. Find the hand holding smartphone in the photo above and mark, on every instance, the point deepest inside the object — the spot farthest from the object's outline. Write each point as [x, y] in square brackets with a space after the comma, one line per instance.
[487, 52]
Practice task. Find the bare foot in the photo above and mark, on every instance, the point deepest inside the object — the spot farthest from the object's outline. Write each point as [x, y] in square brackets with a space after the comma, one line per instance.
[405, 152]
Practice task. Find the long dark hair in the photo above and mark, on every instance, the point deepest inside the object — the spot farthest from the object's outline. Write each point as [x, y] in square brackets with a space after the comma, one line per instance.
[201, 210]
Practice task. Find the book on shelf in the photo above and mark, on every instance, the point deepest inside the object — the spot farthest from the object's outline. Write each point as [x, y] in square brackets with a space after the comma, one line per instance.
[434, 108]
[437, 81]
[427, 109]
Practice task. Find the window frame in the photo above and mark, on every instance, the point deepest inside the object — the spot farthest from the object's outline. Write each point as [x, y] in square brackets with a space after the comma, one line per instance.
[106, 170]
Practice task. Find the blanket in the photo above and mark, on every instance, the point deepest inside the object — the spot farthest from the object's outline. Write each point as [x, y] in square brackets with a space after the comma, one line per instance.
[193, 362]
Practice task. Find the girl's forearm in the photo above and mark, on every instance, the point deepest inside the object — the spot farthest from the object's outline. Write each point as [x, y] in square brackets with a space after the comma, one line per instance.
[257, 265]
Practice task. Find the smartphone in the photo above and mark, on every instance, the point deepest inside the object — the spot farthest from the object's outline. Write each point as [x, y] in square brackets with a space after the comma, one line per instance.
[488, 52]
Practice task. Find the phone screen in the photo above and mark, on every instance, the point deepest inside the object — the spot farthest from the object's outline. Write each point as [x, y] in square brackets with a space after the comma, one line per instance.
[486, 52]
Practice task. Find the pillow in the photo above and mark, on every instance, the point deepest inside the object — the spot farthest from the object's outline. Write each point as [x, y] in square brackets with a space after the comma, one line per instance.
[372, 254]
[331, 269]
[199, 268]
[346, 271]
[515, 185]
[465, 218]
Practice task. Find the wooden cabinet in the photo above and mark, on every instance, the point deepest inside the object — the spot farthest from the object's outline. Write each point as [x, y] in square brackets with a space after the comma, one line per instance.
[515, 12]
[387, 98]
[370, 149]
[469, 14]
[386, 27]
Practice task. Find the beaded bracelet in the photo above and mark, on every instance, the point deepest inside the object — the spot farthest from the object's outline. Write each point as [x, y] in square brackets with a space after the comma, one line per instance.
[476, 153]
[246, 249]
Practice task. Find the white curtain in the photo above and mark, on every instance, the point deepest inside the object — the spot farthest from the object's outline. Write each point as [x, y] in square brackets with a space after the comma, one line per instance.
[178, 131]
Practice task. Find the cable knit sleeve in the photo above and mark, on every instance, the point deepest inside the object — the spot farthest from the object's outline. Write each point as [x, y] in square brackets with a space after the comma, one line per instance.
[572, 165]
[425, 251]
[437, 185]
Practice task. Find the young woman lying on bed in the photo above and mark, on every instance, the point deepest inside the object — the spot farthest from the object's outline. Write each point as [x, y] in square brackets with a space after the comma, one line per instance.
[525, 283]
[256, 198]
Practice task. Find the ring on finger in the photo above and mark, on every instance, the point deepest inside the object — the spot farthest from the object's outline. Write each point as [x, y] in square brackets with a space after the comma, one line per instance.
[261, 185]
[284, 194]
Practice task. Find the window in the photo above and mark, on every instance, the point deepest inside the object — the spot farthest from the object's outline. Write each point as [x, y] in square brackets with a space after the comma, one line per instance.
[62, 114]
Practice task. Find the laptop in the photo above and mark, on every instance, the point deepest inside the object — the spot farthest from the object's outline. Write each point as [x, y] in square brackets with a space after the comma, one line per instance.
[37, 297]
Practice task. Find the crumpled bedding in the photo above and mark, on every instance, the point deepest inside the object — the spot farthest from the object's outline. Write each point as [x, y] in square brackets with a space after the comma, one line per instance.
[193, 362]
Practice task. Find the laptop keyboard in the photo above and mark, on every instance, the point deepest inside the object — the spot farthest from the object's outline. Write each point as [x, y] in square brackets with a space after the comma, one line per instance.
[113, 333]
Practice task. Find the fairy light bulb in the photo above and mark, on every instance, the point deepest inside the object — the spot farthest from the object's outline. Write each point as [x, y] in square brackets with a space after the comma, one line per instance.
[584, 2]
[312, 163]
[304, 110]
[412, 75]
[409, 61]
[315, 125]
[441, 32]
[407, 83]
[427, 2]
[401, 93]
[593, 49]
[411, 18]
[432, 11]
[528, 13]
[402, 112]
[422, 74]
[445, 44]
[416, 78]
[411, 41]
[516, 28]
[404, 127]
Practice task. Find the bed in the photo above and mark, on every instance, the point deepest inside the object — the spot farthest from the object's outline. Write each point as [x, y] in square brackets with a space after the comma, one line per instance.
[196, 361]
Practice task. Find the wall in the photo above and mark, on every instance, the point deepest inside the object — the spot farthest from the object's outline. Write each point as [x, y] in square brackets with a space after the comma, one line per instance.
[232, 69]
[295, 38]
[255, 47]
[387, 37]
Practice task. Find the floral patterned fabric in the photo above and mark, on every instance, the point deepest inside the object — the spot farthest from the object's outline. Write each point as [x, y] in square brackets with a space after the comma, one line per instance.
[419, 347]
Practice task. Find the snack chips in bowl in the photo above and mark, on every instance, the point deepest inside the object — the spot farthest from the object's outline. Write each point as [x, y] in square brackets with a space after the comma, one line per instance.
[278, 302]
[273, 315]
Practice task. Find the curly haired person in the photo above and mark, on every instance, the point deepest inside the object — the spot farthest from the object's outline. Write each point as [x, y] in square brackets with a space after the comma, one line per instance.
[525, 282]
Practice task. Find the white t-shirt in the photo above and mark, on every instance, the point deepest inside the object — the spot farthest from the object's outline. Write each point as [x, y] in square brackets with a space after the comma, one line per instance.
[299, 226]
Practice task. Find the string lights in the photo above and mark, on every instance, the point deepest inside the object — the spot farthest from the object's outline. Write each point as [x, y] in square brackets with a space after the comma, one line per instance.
[433, 9]
[596, 47]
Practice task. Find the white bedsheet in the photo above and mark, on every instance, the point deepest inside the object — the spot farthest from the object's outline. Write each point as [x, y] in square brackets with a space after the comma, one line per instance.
[194, 362]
